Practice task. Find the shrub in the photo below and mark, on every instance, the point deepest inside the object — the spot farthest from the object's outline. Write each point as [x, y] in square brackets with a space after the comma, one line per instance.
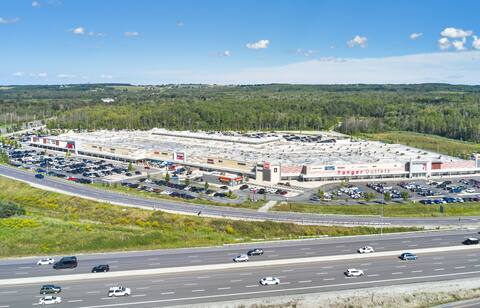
[9, 209]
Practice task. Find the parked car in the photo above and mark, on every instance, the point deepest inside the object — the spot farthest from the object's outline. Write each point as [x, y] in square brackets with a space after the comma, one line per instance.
[407, 256]
[46, 261]
[269, 281]
[255, 252]
[50, 300]
[119, 291]
[241, 258]
[101, 268]
[50, 289]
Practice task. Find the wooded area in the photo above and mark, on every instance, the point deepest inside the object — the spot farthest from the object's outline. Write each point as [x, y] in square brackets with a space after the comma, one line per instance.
[446, 110]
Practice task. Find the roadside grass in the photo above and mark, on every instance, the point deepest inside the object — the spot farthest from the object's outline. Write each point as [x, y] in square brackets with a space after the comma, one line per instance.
[61, 224]
[152, 195]
[389, 210]
[433, 143]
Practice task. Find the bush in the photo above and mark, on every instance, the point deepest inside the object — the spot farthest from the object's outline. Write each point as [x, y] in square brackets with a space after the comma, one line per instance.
[9, 209]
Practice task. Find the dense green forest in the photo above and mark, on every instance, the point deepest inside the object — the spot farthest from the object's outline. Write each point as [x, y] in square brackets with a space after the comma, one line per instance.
[441, 109]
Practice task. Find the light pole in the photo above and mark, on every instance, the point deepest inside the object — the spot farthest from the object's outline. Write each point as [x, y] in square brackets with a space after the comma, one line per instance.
[381, 223]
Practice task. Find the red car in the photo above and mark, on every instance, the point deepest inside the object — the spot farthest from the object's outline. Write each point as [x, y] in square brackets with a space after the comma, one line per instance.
[72, 179]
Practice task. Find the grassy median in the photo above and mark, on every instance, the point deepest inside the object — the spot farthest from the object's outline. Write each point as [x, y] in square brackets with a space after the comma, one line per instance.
[389, 210]
[60, 224]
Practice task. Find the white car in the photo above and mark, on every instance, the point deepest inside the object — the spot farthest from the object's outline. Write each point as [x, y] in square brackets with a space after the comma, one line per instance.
[366, 249]
[353, 272]
[241, 258]
[46, 261]
[470, 190]
[50, 300]
[269, 281]
[119, 291]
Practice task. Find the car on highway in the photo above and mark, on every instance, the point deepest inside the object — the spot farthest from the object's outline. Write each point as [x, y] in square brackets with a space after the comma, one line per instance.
[241, 258]
[353, 272]
[255, 252]
[408, 256]
[101, 268]
[471, 241]
[39, 176]
[119, 291]
[266, 281]
[366, 249]
[46, 261]
[50, 300]
[66, 262]
[50, 289]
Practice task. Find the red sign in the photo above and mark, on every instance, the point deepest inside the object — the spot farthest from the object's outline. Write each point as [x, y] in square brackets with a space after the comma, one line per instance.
[266, 165]
[180, 156]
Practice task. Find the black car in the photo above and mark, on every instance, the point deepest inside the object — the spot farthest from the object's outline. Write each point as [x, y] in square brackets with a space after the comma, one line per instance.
[101, 268]
[138, 172]
[255, 252]
[66, 262]
[471, 241]
[244, 186]
[50, 289]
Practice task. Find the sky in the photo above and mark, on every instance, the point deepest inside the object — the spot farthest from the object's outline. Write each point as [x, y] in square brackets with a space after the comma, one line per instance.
[239, 42]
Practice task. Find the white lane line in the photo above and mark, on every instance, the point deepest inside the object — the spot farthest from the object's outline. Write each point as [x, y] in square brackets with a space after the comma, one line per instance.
[245, 274]
[345, 250]
[339, 246]
[195, 261]
[304, 281]
[406, 241]
[328, 279]
[203, 277]
[224, 288]
[74, 301]
[113, 261]
[472, 255]
[307, 248]
[472, 260]
[400, 266]
[417, 271]
[93, 292]
[167, 293]
[380, 247]
[199, 290]
[194, 256]
[273, 256]
[439, 269]
[437, 263]
[366, 264]
[326, 267]
[139, 295]
[287, 270]
[143, 288]
[152, 259]
[373, 275]
[6, 306]
[310, 253]
[413, 245]
[191, 284]
[106, 298]
[322, 273]
[158, 280]
[21, 273]
[153, 264]
[252, 286]
[287, 282]
[459, 267]
[236, 280]
[25, 267]
[8, 292]
[397, 273]
[438, 258]
[437, 239]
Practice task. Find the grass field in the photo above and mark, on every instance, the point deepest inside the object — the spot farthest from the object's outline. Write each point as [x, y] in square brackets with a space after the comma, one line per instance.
[434, 143]
[57, 223]
[389, 210]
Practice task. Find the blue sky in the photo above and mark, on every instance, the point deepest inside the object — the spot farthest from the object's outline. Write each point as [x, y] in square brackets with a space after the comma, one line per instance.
[155, 42]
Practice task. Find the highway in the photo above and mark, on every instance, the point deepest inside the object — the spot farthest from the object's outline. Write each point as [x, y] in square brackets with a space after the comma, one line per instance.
[233, 284]
[220, 211]
[26, 267]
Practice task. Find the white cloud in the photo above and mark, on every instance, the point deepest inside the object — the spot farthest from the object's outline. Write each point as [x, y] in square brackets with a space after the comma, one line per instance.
[180, 24]
[35, 4]
[358, 41]
[459, 44]
[476, 42]
[306, 53]
[8, 21]
[42, 74]
[261, 44]
[66, 76]
[131, 33]
[415, 35]
[455, 33]
[452, 67]
[18, 74]
[226, 53]
[105, 76]
[444, 43]
[83, 31]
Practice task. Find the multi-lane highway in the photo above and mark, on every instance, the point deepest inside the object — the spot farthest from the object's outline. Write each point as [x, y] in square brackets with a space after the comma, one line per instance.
[26, 267]
[226, 212]
[232, 284]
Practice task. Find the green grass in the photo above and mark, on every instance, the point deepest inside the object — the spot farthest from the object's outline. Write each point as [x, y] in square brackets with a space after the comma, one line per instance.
[390, 210]
[152, 195]
[433, 143]
[61, 224]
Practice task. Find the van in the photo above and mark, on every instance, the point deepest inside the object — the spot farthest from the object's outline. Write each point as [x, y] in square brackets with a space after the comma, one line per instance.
[66, 262]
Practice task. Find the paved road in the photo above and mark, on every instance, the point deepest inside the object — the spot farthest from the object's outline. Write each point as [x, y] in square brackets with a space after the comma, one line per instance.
[236, 284]
[121, 261]
[226, 212]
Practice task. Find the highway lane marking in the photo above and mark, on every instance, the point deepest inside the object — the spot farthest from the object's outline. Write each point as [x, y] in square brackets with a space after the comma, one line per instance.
[75, 300]
[345, 250]
[195, 261]
[472, 255]
[191, 284]
[203, 277]
[152, 259]
[322, 273]
[307, 248]
[199, 290]
[139, 295]
[437, 263]
[167, 293]
[252, 286]
[304, 281]
[143, 288]
[366, 264]
[326, 267]
[194, 256]
[273, 256]
[459, 267]
[373, 275]
[400, 266]
[113, 261]
[397, 273]
[438, 258]
[153, 264]
[245, 274]
[417, 271]
[380, 247]
[8, 292]
[158, 280]
[339, 246]
[236, 280]
[21, 273]
[406, 241]
[224, 288]
[328, 279]
[6, 306]
[287, 270]
[439, 269]
[310, 253]
[93, 292]
[413, 245]
[25, 267]
[282, 283]
[472, 260]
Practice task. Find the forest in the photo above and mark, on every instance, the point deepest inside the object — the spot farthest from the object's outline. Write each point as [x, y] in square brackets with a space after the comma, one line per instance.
[441, 109]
